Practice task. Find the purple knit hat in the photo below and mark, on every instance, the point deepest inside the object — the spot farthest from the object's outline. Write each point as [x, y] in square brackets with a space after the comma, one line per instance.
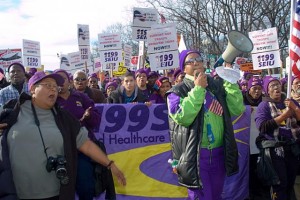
[177, 73]
[183, 55]
[32, 71]
[18, 64]
[93, 75]
[141, 71]
[63, 71]
[267, 80]
[153, 73]
[1, 71]
[111, 84]
[254, 81]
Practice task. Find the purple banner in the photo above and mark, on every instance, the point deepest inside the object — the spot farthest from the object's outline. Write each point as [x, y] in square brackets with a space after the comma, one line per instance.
[236, 187]
[137, 139]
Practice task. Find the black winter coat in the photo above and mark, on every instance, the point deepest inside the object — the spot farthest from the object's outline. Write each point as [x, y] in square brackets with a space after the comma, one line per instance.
[69, 127]
[186, 140]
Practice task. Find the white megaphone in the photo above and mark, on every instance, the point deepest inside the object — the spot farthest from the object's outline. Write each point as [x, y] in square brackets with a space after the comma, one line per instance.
[238, 43]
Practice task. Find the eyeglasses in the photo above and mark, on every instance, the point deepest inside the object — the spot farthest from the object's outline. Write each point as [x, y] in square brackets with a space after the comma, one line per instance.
[193, 60]
[50, 86]
[274, 85]
[80, 79]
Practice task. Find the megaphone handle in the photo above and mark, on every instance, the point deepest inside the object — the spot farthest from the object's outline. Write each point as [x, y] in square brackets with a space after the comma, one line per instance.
[219, 62]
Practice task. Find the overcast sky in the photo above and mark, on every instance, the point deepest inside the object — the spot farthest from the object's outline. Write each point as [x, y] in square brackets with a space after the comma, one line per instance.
[54, 23]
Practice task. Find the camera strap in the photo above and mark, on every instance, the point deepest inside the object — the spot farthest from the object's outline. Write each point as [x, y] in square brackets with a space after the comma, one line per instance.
[37, 122]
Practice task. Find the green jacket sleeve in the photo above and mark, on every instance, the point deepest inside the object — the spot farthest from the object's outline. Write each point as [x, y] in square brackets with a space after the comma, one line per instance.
[189, 106]
[234, 99]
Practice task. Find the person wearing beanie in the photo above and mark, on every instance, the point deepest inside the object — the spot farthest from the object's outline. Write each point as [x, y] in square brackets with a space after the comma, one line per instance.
[284, 84]
[17, 83]
[32, 71]
[162, 85]
[141, 81]
[243, 83]
[200, 110]
[277, 120]
[93, 81]
[152, 77]
[178, 76]
[109, 87]
[253, 95]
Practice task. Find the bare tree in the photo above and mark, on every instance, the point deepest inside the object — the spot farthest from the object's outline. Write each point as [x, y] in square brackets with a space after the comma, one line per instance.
[205, 23]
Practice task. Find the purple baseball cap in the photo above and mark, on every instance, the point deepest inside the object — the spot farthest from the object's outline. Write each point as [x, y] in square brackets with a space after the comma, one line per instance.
[39, 76]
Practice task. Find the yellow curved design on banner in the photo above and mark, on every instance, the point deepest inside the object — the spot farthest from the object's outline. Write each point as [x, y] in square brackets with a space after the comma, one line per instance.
[121, 70]
[139, 184]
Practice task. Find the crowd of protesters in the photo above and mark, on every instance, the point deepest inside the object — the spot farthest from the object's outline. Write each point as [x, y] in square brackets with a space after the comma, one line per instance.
[187, 96]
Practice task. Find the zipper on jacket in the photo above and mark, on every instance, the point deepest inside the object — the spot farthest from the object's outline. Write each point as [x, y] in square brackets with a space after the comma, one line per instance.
[210, 155]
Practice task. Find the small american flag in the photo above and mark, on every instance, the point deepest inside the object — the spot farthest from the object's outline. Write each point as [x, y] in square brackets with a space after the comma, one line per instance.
[162, 18]
[215, 107]
[295, 38]
[213, 104]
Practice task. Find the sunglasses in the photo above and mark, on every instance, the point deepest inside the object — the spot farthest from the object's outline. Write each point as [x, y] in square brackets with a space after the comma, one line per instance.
[193, 60]
[80, 79]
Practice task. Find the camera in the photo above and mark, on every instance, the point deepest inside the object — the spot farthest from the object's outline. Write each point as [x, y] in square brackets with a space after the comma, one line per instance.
[58, 165]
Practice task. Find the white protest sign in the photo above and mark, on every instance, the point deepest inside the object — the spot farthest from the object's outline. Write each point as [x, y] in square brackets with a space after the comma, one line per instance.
[144, 17]
[64, 62]
[109, 41]
[75, 60]
[265, 53]
[266, 60]
[9, 56]
[32, 61]
[31, 54]
[164, 60]
[83, 35]
[85, 54]
[160, 40]
[110, 59]
[264, 40]
[31, 48]
[97, 64]
[139, 33]
[127, 55]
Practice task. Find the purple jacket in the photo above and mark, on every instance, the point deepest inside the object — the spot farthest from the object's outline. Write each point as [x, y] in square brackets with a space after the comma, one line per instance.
[76, 104]
[266, 124]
